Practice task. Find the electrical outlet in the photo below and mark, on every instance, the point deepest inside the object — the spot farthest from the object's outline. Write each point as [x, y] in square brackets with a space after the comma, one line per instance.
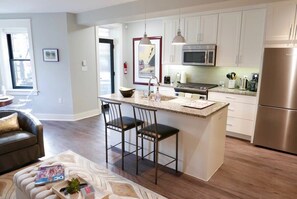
[60, 100]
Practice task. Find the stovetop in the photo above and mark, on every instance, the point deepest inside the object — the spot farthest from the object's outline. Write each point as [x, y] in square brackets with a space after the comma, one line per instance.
[201, 86]
[197, 88]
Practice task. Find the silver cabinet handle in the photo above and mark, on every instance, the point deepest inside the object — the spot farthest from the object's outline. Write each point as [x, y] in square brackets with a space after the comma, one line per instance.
[232, 110]
[229, 125]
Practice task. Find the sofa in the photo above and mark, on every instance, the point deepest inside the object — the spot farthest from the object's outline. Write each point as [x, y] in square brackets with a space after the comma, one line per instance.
[19, 147]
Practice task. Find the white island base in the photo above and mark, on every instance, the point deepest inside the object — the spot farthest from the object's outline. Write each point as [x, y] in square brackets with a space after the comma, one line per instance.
[201, 141]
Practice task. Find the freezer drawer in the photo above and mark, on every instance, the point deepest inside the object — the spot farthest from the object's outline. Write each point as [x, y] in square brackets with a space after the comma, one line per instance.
[276, 128]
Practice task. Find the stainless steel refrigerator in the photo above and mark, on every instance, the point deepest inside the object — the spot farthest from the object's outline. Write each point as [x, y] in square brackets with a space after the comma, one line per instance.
[276, 123]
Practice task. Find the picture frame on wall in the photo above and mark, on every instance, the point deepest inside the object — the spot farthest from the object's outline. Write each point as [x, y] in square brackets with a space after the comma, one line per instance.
[147, 60]
[50, 54]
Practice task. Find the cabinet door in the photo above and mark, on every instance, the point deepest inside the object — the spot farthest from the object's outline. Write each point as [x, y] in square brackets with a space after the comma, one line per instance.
[208, 29]
[172, 54]
[280, 19]
[252, 35]
[201, 29]
[228, 38]
[192, 26]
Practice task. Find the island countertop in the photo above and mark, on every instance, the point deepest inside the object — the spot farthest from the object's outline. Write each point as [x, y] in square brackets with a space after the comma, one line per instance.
[168, 103]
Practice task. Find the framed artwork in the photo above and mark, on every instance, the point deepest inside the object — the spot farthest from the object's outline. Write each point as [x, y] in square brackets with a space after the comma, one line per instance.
[147, 60]
[50, 54]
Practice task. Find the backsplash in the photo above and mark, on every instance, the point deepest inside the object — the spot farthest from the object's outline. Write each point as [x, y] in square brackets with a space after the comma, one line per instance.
[202, 74]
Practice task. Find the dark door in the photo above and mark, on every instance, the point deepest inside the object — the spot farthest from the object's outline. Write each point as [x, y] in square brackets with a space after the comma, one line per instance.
[106, 65]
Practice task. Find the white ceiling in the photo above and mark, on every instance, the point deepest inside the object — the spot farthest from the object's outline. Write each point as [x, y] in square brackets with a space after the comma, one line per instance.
[50, 6]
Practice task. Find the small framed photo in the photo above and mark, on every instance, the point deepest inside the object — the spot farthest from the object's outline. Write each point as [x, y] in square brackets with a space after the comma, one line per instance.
[50, 54]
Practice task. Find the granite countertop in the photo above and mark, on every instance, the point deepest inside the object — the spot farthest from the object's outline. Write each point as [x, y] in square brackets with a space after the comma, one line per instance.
[232, 91]
[168, 103]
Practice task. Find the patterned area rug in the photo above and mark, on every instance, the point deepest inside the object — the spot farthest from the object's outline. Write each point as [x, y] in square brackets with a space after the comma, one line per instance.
[98, 176]
[7, 190]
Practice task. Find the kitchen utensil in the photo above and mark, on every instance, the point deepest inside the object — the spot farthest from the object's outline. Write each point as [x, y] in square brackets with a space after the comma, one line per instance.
[233, 75]
[228, 76]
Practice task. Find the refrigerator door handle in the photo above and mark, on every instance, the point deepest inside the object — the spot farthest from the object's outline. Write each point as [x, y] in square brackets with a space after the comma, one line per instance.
[290, 32]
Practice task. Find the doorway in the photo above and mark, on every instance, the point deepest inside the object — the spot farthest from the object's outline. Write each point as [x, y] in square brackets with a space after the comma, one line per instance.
[106, 63]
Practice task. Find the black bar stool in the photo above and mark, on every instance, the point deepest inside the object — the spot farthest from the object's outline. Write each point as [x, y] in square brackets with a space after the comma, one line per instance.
[152, 131]
[115, 121]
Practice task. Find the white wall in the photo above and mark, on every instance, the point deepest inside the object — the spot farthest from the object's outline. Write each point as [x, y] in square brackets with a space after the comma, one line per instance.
[64, 79]
[53, 79]
[82, 46]
[136, 30]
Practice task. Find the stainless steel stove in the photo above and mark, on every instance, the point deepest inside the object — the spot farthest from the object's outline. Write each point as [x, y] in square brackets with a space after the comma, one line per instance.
[194, 88]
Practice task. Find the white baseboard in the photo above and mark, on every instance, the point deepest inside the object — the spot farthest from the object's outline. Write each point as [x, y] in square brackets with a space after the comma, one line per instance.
[237, 135]
[67, 117]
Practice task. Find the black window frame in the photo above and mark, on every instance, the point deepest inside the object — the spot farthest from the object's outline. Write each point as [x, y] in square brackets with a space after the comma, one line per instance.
[12, 67]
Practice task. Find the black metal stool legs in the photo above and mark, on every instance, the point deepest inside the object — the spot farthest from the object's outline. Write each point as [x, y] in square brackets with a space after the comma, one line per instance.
[176, 155]
[106, 146]
[156, 152]
[123, 149]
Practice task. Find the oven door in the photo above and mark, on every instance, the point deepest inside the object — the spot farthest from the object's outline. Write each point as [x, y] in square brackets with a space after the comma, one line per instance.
[195, 57]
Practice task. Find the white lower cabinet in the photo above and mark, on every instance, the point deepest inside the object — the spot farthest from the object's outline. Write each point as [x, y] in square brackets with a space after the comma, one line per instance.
[241, 113]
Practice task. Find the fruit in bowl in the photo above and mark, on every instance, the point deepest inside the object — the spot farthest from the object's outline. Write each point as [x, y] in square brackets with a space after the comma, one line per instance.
[127, 92]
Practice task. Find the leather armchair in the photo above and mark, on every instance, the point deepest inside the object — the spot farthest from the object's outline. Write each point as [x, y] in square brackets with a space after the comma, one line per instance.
[20, 147]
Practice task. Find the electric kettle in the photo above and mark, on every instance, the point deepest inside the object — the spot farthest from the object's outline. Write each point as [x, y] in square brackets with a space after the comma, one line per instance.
[243, 83]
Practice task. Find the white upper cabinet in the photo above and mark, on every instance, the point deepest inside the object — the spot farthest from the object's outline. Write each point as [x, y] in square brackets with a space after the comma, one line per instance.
[172, 53]
[281, 22]
[201, 29]
[251, 38]
[240, 38]
[228, 38]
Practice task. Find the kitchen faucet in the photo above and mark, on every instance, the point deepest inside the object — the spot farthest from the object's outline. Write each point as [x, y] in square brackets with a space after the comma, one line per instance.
[149, 84]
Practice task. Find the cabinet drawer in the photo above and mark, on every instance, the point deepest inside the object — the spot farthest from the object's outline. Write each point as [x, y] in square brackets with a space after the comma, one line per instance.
[241, 126]
[243, 111]
[224, 97]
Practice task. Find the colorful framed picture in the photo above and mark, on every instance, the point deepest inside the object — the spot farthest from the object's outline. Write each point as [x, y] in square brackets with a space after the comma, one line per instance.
[147, 60]
[50, 54]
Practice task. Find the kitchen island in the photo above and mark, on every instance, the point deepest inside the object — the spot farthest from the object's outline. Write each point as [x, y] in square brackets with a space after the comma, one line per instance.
[202, 131]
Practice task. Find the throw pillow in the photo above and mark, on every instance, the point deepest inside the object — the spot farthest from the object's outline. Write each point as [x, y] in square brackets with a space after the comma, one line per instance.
[9, 123]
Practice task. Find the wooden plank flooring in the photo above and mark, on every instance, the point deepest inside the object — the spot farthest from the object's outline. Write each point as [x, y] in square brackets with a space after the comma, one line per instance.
[248, 171]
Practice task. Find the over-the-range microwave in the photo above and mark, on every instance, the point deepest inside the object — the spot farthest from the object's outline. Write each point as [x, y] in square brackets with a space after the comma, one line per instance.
[199, 54]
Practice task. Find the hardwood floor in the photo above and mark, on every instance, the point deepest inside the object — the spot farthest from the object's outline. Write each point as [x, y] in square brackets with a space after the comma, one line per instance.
[248, 171]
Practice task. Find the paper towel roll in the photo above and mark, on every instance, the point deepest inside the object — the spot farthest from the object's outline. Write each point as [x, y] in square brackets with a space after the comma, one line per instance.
[183, 78]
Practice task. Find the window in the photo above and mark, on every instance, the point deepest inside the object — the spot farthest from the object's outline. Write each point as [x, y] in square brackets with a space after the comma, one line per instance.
[17, 71]
[19, 58]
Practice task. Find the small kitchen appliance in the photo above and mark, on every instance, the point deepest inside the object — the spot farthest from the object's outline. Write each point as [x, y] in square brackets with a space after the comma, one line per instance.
[243, 83]
[254, 82]
[199, 54]
[166, 79]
